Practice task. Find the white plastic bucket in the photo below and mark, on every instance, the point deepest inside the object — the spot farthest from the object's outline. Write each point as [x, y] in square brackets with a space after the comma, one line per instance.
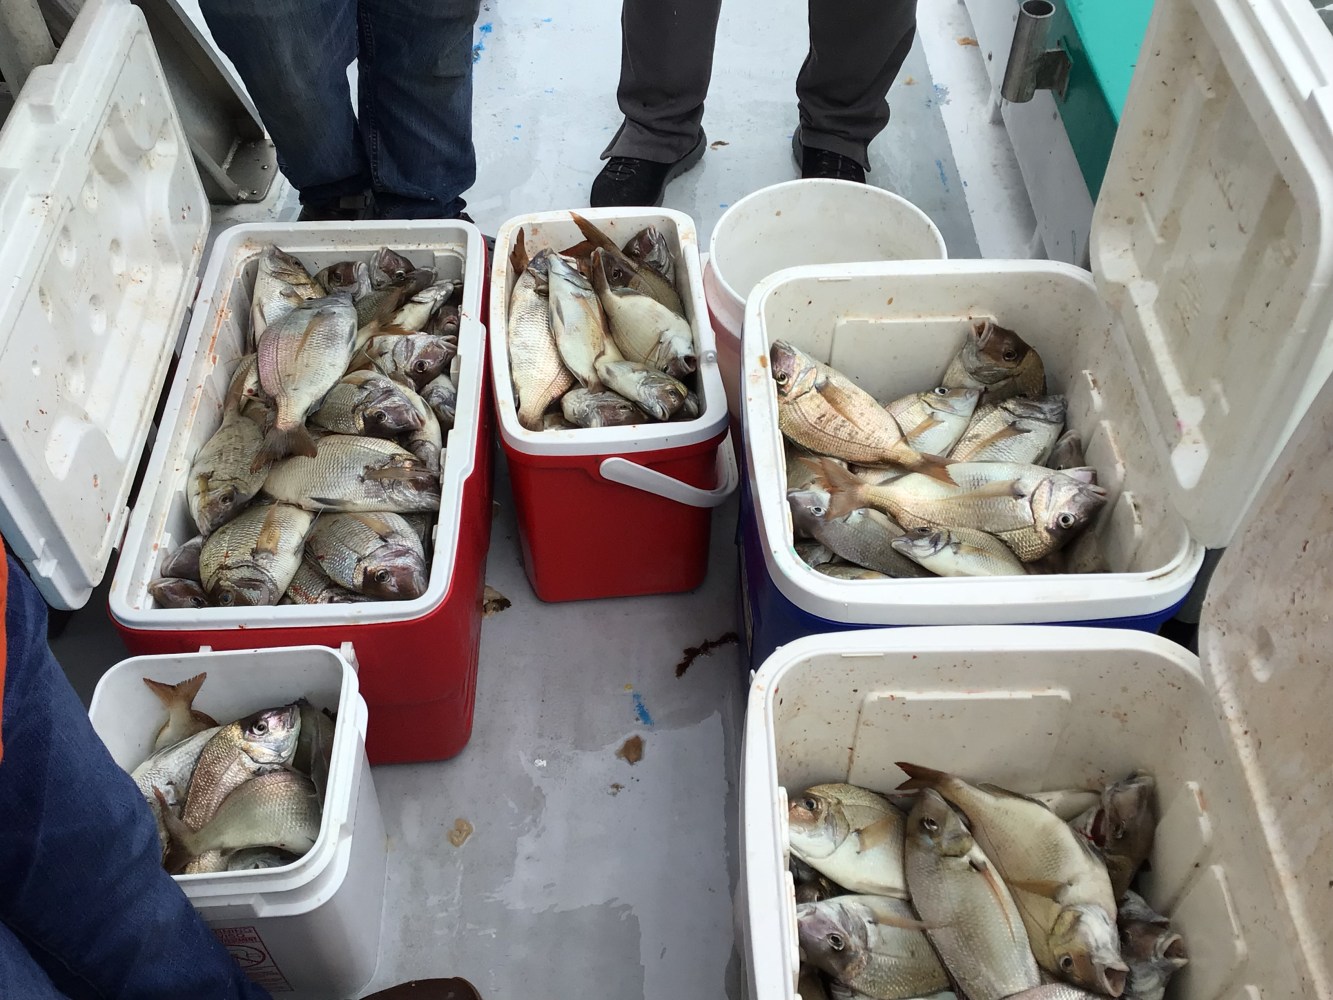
[802, 222]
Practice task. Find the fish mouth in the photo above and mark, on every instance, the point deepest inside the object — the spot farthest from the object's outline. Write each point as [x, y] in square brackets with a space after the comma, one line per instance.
[1175, 947]
[1112, 980]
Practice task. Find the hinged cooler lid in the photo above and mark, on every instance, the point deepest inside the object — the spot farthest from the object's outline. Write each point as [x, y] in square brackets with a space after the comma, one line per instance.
[1212, 241]
[102, 226]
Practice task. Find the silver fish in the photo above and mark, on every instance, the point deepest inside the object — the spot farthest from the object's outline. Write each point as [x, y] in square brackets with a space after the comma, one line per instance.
[643, 329]
[445, 321]
[314, 747]
[649, 248]
[245, 393]
[933, 421]
[958, 552]
[311, 585]
[172, 592]
[1014, 430]
[1153, 951]
[999, 362]
[412, 358]
[389, 268]
[301, 357]
[538, 374]
[355, 474]
[281, 284]
[656, 393]
[183, 562]
[644, 279]
[169, 770]
[426, 442]
[226, 473]
[182, 719]
[600, 409]
[864, 537]
[1068, 452]
[1122, 826]
[577, 321]
[851, 835]
[375, 309]
[441, 395]
[377, 554]
[415, 313]
[347, 277]
[250, 561]
[367, 402]
[237, 752]
[870, 944]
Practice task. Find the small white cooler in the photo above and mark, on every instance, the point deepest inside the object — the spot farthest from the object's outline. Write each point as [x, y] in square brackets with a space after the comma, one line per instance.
[1188, 355]
[1237, 738]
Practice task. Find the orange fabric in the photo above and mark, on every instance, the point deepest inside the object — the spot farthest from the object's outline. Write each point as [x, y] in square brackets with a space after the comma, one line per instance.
[4, 592]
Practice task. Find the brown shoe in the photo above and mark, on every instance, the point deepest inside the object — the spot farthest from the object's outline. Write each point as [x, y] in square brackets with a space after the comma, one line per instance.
[429, 989]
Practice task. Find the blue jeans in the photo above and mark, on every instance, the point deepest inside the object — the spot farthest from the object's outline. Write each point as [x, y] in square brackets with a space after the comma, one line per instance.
[86, 910]
[410, 143]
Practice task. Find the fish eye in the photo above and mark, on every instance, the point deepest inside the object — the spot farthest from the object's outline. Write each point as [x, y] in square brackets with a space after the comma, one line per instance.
[198, 602]
[1118, 831]
[817, 511]
[941, 391]
[261, 727]
[1009, 354]
[780, 378]
[382, 576]
[1067, 963]
[809, 803]
[226, 499]
[420, 365]
[376, 414]
[1065, 520]
[836, 942]
[929, 825]
[226, 598]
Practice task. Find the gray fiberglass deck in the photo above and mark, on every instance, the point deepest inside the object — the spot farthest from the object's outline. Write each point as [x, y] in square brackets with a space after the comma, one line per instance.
[586, 875]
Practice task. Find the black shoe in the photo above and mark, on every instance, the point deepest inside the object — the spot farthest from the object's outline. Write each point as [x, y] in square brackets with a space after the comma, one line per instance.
[824, 164]
[349, 209]
[629, 182]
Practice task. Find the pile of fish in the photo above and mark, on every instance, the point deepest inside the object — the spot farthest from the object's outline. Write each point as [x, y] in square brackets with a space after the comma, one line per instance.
[601, 331]
[948, 886]
[973, 477]
[239, 796]
[320, 483]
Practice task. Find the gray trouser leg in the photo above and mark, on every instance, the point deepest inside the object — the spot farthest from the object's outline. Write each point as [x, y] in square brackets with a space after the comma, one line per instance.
[666, 61]
[856, 50]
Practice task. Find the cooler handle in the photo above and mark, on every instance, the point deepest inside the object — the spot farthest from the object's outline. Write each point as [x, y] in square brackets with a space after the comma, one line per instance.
[627, 473]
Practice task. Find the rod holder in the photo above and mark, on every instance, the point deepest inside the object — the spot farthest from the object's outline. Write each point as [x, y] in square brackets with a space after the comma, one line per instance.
[1032, 66]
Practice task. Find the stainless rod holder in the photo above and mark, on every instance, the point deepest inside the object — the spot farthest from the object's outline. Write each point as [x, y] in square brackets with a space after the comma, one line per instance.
[1032, 66]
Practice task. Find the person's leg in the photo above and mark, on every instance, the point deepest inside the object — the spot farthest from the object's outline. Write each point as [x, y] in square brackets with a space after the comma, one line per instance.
[20, 975]
[293, 57]
[80, 861]
[415, 69]
[857, 48]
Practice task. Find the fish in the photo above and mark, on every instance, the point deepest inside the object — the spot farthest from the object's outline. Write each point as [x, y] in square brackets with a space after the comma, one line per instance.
[314, 745]
[814, 553]
[183, 562]
[851, 835]
[427, 441]
[277, 809]
[347, 277]
[538, 374]
[643, 279]
[556, 422]
[997, 361]
[803, 471]
[642, 328]
[249, 561]
[172, 592]
[957, 552]
[1068, 803]
[416, 312]
[353, 473]
[649, 248]
[375, 308]
[445, 321]
[658, 394]
[1067, 453]
[389, 268]
[237, 752]
[1122, 825]
[377, 554]
[281, 284]
[845, 571]
[245, 393]
[1018, 430]
[422, 524]
[933, 421]
[1056, 991]
[1033, 510]
[302, 357]
[250, 859]
[170, 770]
[182, 719]
[864, 537]
[810, 985]
[811, 886]
[1153, 951]
[976, 927]
[1059, 883]
[414, 359]
[577, 321]
[600, 409]
[870, 944]
[832, 416]
[367, 402]
[311, 585]
[226, 473]
[441, 395]
[691, 408]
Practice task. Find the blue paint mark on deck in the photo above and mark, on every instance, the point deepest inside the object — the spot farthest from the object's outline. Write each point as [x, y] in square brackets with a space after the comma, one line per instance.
[480, 46]
[486, 28]
[944, 178]
[549, 90]
[546, 20]
[641, 710]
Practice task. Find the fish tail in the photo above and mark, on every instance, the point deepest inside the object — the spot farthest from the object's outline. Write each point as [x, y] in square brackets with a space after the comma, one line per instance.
[928, 465]
[845, 490]
[179, 837]
[280, 442]
[176, 694]
[919, 777]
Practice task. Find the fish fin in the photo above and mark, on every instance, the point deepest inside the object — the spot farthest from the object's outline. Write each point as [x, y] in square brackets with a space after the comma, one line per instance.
[204, 719]
[396, 472]
[907, 923]
[919, 777]
[879, 832]
[170, 694]
[584, 248]
[928, 465]
[1003, 434]
[280, 443]
[332, 503]
[984, 867]
[270, 534]
[1003, 488]
[1046, 888]
[518, 254]
[1005, 793]
[840, 399]
[179, 836]
[594, 235]
[375, 522]
[845, 490]
[929, 423]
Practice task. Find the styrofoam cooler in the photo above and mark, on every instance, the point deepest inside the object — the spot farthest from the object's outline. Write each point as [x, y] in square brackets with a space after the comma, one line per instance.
[421, 705]
[310, 929]
[1187, 355]
[614, 511]
[1237, 739]
[104, 221]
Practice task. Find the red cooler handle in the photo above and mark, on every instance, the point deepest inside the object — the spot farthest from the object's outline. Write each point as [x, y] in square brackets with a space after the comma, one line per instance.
[627, 473]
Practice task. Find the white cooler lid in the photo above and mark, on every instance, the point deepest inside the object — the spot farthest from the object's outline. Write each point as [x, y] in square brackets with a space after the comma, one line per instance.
[102, 226]
[1212, 242]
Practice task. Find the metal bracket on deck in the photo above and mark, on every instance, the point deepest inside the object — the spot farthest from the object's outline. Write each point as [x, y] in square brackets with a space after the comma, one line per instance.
[1032, 66]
